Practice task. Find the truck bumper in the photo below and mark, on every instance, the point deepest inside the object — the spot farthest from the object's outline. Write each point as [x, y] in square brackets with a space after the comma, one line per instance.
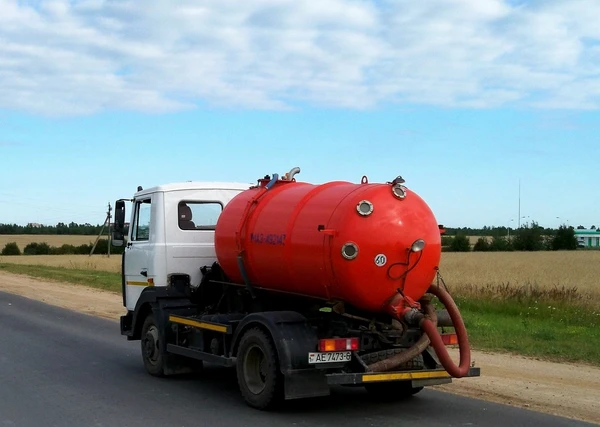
[304, 383]
[419, 378]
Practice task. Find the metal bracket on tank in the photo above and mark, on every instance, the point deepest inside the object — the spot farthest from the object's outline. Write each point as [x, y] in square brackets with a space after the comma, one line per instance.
[330, 231]
[245, 276]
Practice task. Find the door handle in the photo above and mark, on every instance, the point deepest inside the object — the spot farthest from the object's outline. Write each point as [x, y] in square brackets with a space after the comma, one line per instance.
[144, 273]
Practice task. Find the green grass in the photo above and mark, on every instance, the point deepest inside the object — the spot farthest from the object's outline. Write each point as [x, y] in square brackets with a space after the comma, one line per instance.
[96, 279]
[550, 330]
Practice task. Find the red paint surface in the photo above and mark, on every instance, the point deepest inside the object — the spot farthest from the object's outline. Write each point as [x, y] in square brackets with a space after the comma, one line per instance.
[283, 249]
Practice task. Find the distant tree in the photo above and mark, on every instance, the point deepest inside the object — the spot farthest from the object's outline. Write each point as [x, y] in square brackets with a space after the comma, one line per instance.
[447, 241]
[593, 227]
[65, 249]
[529, 238]
[35, 248]
[482, 245]
[460, 243]
[580, 227]
[501, 244]
[11, 249]
[565, 239]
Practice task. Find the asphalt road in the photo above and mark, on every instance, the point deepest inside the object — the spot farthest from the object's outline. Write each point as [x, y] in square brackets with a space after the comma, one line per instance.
[60, 368]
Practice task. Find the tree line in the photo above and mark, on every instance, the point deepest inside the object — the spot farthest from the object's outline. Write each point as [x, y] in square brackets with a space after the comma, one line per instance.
[60, 228]
[43, 248]
[530, 237]
[500, 231]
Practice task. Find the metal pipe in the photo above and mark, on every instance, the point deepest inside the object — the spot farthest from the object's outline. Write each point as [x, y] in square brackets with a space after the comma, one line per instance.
[418, 348]
[444, 319]
[244, 274]
[293, 172]
[272, 181]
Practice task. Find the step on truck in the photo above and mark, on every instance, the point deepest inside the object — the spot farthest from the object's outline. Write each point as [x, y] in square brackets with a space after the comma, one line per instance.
[296, 286]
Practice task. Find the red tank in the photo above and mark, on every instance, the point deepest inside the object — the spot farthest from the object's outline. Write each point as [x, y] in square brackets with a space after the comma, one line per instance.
[357, 243]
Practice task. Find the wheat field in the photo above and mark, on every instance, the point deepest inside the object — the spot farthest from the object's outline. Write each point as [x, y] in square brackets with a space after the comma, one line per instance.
[560, 268]
[560, 275]
[461, 271]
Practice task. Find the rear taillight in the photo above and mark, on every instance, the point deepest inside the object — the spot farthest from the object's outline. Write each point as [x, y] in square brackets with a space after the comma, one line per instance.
[338, 344]
[449, 339]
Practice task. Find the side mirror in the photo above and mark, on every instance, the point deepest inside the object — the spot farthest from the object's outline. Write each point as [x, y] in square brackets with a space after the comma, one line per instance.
[119, 216]
[117, 237]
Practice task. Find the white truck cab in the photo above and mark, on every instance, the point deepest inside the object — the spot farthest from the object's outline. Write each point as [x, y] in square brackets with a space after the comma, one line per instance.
[171, 231]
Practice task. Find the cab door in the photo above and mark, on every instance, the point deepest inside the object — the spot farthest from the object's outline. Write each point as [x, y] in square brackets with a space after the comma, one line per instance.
[138, 253]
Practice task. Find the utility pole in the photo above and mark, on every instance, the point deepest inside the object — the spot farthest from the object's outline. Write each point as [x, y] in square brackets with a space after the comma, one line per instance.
[107, 219]
[519, 226]
[109, 216]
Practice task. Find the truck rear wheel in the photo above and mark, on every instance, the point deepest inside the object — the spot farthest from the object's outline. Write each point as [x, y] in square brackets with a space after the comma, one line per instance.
[152, 353]
[259, 379]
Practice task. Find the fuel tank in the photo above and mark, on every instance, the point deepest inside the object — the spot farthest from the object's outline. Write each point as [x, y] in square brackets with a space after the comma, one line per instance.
[340, 241]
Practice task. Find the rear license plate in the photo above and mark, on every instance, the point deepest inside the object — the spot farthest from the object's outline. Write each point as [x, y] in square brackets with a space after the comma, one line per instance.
[330, 357]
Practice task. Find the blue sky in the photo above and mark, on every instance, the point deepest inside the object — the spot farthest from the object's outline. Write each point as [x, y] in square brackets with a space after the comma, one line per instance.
[462, 99]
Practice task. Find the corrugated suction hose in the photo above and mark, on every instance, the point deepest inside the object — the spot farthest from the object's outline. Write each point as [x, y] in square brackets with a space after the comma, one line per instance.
[430, 329]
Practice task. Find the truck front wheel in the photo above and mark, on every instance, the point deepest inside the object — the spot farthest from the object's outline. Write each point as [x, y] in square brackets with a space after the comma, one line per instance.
[259, 379]
[152, 353]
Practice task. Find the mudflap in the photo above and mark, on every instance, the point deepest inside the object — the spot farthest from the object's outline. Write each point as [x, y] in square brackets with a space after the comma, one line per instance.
[306, 383]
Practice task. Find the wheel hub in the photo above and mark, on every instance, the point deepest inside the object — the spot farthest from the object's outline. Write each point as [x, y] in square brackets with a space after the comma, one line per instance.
[151, 344]
[255, 370]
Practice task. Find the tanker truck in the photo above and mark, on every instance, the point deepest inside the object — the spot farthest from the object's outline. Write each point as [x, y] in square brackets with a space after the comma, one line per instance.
[297, 286]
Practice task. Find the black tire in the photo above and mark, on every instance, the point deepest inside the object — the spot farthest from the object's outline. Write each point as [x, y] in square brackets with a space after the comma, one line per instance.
[259, 378]
[151, 346]
[389, 391]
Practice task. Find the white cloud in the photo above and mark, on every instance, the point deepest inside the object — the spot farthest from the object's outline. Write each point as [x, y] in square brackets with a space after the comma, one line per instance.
[68, 58]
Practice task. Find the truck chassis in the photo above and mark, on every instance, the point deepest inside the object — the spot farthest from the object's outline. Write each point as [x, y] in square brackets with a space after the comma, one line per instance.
[276, 342]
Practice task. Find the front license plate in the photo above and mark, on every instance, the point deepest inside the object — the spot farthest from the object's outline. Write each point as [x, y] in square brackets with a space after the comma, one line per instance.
[330, 357]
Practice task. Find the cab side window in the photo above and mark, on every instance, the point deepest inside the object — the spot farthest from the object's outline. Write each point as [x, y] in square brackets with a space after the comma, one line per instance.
[141, 227]
[198, 215]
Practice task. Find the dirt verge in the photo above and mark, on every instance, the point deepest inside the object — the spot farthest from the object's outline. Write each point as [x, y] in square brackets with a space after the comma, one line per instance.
[566, 390]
